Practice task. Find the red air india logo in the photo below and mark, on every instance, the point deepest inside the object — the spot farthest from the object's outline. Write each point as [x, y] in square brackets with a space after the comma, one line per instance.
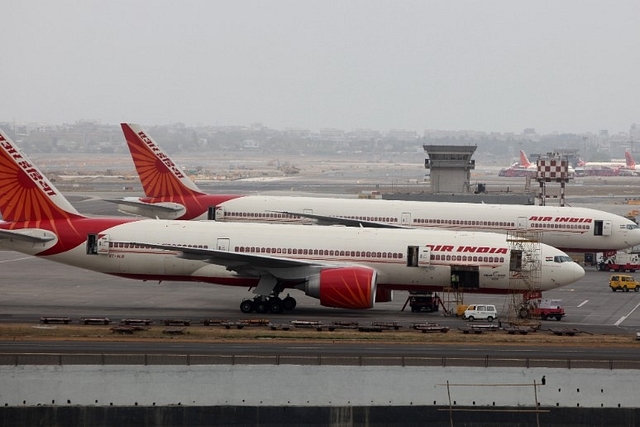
[560, 219]
[161, 155]
[468, 249]
[27, 167]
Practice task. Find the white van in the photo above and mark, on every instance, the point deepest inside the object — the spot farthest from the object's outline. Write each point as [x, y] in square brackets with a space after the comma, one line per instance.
[481, 312]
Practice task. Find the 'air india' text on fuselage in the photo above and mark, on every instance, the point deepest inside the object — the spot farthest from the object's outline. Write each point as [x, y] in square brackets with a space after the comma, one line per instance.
[467, 249]
[560, 219]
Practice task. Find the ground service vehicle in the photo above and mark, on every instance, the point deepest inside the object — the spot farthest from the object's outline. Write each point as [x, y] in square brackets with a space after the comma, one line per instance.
[545, 308]
[480, 312]
[623, 282]
[621, 261]
[424, 301]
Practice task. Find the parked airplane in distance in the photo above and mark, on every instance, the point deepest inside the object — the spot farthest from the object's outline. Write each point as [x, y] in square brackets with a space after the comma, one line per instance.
[525, 168]
[170, 194]
[344, 267]
[519, 169]
[612, 168]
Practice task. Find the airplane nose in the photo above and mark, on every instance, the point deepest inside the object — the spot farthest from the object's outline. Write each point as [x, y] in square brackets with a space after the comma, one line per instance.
[633, 238]
[578, 272]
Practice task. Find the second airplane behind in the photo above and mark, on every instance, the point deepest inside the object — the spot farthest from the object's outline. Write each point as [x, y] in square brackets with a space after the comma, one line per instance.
[170, 194]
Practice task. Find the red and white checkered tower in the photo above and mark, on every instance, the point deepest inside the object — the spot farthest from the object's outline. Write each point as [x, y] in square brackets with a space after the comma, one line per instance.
[552, 168]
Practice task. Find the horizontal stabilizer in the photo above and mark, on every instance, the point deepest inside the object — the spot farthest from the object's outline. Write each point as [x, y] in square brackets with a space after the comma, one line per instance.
[32, 235]
[160, 207]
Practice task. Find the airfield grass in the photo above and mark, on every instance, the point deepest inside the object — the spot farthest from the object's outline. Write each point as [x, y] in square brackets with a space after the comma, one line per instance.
[216, 333]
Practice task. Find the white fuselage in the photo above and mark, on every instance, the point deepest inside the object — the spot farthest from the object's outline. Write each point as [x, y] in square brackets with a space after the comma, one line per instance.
[571, 229]
[381, 249]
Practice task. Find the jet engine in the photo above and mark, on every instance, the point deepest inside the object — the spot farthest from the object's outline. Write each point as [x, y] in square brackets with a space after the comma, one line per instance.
[344, 287]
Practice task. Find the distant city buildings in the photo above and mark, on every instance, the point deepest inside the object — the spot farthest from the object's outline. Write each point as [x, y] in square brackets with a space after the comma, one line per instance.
[90, 136]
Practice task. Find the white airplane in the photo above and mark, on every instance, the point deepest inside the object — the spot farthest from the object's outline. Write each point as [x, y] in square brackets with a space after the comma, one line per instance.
[344, 267]
[525, 168]
[170, 194]
[612, 168]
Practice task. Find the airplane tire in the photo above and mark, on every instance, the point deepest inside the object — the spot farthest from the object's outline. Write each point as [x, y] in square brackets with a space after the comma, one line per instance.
[289, 303]
[246, 306]
[261, 307]
[275, 306]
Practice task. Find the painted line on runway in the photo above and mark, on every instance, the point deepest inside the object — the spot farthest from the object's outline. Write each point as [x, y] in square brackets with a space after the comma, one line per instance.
[17, 259]
[623, 318]
[583, 303]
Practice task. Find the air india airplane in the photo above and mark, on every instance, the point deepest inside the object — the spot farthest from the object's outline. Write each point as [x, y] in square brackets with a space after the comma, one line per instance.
[612, 168]
[344, 267]
[170, 194]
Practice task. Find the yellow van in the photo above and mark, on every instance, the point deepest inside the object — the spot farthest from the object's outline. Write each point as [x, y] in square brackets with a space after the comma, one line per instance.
[623, 282]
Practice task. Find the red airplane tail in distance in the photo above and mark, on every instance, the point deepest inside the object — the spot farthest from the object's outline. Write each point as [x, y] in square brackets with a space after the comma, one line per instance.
[631, 163]
[524, 160]
[159, 175]
[27, 196]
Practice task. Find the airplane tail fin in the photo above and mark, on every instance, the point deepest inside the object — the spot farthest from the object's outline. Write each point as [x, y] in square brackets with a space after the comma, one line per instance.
[524, 160]
[631, 163]
[26, 195]
[159, 175]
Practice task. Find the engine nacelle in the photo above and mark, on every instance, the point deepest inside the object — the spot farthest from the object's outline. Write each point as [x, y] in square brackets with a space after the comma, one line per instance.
[345, 287]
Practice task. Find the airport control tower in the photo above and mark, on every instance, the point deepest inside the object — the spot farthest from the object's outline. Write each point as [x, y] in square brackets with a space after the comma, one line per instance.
[450, 167]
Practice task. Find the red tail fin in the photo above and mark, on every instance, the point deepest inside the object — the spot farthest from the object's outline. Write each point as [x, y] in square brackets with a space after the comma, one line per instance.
[25, 194]
[631, 164]
[159, 175]
[524, 160]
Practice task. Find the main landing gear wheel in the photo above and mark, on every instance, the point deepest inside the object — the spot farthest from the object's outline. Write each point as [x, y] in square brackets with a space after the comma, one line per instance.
[246, 306]
[289, 303]
[263, 305]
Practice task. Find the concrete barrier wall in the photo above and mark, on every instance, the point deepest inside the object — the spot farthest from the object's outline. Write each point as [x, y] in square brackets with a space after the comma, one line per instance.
[315, 386]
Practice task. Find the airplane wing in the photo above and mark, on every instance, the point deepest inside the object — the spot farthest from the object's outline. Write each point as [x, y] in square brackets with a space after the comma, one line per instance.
[244, 263]
[28, 235]
[161, 207]
[329, 220]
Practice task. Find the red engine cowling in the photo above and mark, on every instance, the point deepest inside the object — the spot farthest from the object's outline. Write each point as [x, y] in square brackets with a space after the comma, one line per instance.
[346, 287]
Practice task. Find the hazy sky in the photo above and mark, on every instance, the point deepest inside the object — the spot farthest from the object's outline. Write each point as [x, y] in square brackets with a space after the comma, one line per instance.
[566, 66]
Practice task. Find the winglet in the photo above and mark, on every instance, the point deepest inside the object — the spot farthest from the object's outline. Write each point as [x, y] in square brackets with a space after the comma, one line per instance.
[25, 193]
[159, 175]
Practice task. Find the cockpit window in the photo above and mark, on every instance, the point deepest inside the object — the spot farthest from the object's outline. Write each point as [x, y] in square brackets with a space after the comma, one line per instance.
[562, 258]
[632, 226]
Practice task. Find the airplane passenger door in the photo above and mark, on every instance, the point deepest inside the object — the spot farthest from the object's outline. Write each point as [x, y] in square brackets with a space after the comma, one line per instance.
[222, 245]
[418, 256]
[405, 218]
[522, 223]
[602, 228]
[211, 213]
[103, 244]
[219, 213]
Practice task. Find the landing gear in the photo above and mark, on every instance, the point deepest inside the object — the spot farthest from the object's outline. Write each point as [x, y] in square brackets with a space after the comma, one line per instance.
[273, 304]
